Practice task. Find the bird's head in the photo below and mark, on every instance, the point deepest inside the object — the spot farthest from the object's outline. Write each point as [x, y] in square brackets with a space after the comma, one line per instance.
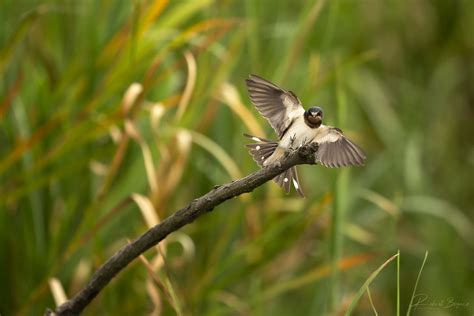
[313, 116]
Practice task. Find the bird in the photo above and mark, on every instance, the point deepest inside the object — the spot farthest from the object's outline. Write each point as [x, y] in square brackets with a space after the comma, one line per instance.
[296, 127]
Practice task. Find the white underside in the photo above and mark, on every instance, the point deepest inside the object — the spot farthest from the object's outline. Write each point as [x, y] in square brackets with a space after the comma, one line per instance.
[300, 134]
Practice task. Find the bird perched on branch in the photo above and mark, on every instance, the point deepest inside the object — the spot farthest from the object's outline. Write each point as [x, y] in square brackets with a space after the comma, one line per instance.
[296, 127]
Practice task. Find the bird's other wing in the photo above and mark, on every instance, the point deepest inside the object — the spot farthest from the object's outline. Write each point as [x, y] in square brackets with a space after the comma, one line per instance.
[278, 106]
[335, 150]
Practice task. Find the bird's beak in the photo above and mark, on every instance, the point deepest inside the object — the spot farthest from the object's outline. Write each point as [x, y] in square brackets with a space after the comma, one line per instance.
[313, 114]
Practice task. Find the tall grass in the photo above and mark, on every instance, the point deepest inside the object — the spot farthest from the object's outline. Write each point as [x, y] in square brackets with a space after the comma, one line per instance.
[114, 113]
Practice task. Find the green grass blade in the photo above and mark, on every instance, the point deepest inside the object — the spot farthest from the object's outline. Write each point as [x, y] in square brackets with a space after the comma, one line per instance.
[416, 283]
[398, 283]
[364, 286]
[371, 302]
[340, 206]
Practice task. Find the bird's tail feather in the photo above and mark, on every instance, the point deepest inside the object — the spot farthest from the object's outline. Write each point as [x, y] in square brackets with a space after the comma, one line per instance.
[285, 179]
[261, 151]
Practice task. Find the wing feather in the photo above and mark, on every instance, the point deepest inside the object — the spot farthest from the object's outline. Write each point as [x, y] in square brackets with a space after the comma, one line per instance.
[278, 106]
[336, 150]
[349, 157]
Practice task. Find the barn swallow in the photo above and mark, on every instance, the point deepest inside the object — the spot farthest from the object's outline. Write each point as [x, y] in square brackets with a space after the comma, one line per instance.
[296, 127]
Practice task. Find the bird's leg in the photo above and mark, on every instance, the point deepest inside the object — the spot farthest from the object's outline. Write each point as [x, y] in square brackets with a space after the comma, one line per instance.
[305, 142]
[292, 141]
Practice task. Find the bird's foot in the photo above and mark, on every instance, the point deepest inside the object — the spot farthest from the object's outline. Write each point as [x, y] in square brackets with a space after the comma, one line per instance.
[292, 142]
[305, 142]
[308, 152]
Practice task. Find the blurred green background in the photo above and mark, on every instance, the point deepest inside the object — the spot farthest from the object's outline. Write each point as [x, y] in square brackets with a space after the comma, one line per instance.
[114, 114]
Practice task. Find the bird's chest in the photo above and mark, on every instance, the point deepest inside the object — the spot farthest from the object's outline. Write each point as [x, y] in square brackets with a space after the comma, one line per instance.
[298, 134]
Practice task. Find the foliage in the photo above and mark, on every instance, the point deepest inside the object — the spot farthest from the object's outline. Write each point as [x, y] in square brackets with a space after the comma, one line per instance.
[116, 113]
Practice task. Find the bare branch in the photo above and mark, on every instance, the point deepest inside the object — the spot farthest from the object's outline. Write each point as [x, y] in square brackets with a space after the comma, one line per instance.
[186, 215]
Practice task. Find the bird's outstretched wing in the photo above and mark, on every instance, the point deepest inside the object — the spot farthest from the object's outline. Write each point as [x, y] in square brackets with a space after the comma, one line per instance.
[278, 106]
[335, 150]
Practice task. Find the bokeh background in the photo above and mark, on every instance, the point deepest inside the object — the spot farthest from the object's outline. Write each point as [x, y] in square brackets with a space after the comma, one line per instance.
[114, 114]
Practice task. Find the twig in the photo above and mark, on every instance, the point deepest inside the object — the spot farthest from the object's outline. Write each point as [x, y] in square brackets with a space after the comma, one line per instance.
[186, 215]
